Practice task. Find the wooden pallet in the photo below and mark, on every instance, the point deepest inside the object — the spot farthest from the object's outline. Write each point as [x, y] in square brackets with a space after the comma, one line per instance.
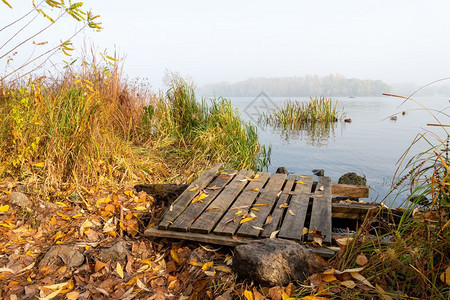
[215, 208]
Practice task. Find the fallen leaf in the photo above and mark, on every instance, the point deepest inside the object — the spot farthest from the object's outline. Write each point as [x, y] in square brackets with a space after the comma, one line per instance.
[268, 220]
[348, 283]
[445, 276]
[258, 228]
[72, 295]
[304, 231]
[248, 295]
[361, 278]
[329, 278]
[239, 212]
[318, 196]
[99, 265]
[199, 198]
[39, 164]
[119, 270]
[255, 190]
[247, 219]
[361, 260]
[274, 234]
[175, 256]
[291, 212]
[284, 205]
[255, 208]
[194, 189]
[321, 188]
[223, 268]
[261, 204]
[141, 285]
[206, 266]
[300, 182]
[4, 208]
[343, 241]
[129, 193]
[382, 292]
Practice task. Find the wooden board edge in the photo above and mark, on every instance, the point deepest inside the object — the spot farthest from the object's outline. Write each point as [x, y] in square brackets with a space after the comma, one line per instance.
[220, 240]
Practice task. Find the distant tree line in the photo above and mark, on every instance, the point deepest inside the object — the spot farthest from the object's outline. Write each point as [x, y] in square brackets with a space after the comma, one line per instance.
[311, 85]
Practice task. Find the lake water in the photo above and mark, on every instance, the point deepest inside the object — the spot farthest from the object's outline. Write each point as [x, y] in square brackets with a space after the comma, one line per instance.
[371, 145]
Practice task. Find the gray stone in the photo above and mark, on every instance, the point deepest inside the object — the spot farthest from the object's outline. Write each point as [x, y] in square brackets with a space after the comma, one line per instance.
[282, 170]
[275, 262]
[352, 178]
[20, 199]
[115, 253]
[62, 253]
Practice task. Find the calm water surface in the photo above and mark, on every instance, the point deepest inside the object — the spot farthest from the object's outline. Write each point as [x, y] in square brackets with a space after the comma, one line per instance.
[371, 145]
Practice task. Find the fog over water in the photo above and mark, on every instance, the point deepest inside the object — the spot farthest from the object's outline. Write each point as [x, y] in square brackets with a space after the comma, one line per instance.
[212, 41]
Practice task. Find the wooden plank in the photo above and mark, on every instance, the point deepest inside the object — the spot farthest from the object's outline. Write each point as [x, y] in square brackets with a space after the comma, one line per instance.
[348, 190]
[185, 198]
[277, 213]
[193, 211]
[206, 222]
[351, 210]
[269, 197]
[321, 209]
[230, 222]
[292, 226]
[218, 239]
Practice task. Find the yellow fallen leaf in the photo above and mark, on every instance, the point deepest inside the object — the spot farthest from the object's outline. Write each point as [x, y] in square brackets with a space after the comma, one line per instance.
[261, 204]
[4, 208]
[291, 212]
[268, 220]
[248, 295]
[284, 205]
[445, 276]
[239, 212]
[195, 263]
[300, 182]
[207, 265]
[77, 216]
[223, 268]
[329, 278]
[255, 208]
[129, 193]
[175, 256]
[63, 216]
[39, 164]
[199, 198]
[61, 203]
[255, 190]
[194, 189]
[212, 208]
[223, 173]
[141, 208]
[56, 286]
[51, 295]
[343, 241]
[247, 219]
[119, 270]
[304, 231]
[58, 235]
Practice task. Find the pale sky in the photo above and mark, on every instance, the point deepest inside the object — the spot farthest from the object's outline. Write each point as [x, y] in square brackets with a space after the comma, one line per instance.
[212, 41]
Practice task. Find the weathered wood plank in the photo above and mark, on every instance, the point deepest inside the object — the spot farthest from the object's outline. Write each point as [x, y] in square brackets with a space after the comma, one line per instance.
[208, 219]
[185, 198]
[347, 190]
[193, 211]
[321, 209]
[230, 222]
[269, 197]
[292, 226]
[218, 239]
[278, 212]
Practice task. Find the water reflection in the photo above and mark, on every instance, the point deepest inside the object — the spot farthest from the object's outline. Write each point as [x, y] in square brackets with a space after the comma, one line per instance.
[317, 134]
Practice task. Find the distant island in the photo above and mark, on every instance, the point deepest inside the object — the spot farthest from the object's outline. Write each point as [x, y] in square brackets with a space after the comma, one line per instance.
[311, 85]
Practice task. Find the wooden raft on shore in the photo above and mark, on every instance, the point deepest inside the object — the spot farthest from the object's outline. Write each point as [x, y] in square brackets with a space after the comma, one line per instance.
[233, 207]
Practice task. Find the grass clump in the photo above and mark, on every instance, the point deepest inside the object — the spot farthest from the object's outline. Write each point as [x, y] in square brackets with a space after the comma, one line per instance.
[92, 126]
[296, 115]
[211, 131]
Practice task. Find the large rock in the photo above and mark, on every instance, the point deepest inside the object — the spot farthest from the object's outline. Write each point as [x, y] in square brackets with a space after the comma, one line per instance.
[352, 178]
[20, 199]
[115, 253]
[275, 261]
[62, 254]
